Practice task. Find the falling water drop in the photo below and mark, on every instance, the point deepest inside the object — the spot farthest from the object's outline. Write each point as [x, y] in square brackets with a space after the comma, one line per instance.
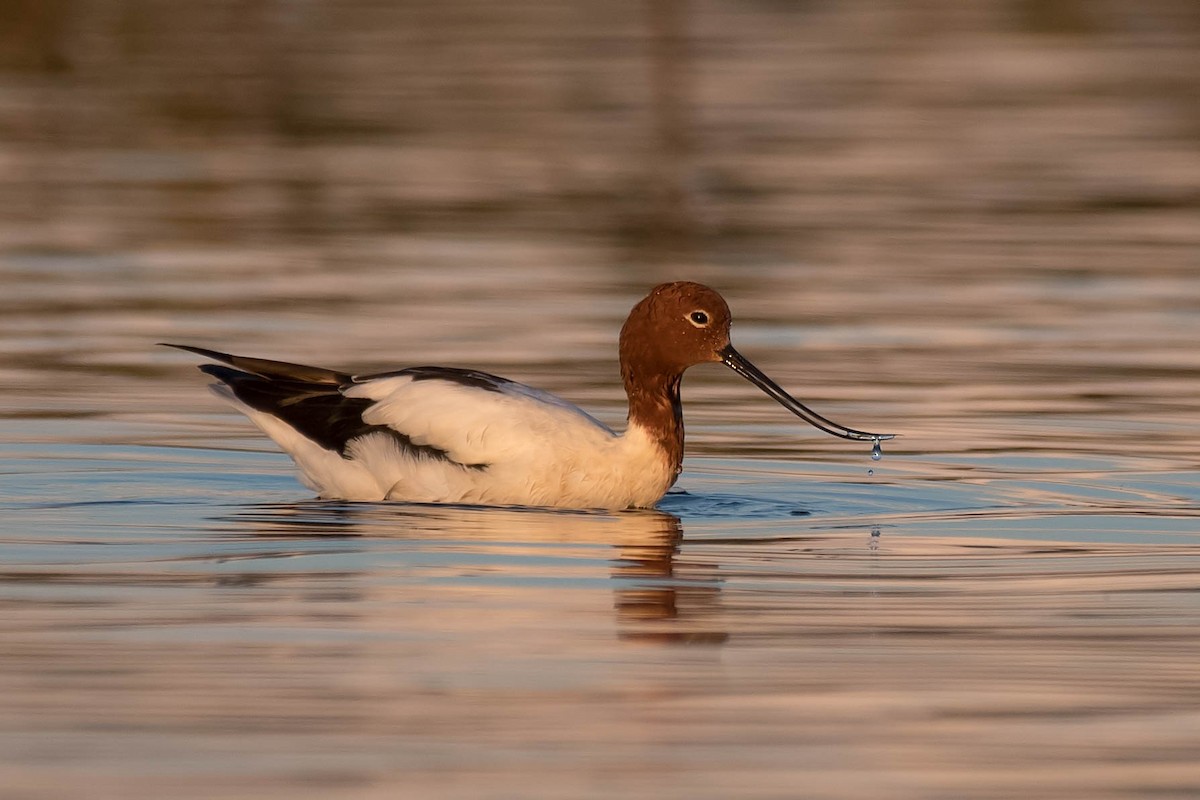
[870, 472]
[876, 451]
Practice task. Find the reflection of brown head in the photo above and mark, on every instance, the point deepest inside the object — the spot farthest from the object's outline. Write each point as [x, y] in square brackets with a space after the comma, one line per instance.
[660, 600]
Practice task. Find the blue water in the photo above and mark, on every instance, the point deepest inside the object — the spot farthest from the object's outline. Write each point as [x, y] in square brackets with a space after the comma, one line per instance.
[178, 614]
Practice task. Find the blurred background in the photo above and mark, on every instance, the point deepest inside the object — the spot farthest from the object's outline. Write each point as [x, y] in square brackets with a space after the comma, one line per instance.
[1013, 184]
[647, 133]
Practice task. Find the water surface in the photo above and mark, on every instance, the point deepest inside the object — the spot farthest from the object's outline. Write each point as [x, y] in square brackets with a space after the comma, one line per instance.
[979, 235]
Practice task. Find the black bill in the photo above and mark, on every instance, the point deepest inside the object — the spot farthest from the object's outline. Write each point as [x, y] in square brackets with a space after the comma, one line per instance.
[738, 363]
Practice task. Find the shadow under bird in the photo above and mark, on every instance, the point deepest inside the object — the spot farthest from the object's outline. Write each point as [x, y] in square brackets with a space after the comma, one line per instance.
[448, 435]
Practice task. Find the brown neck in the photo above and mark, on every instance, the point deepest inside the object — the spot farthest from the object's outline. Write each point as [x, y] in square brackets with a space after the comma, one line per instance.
[654, 405]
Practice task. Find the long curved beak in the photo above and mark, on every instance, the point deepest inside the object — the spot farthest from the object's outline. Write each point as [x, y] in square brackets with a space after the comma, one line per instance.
[739, 364]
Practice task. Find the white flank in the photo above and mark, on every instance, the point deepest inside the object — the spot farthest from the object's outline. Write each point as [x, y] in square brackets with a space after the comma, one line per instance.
[538, 450]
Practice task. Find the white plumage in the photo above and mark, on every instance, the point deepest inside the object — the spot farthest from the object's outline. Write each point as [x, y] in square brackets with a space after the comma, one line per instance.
[446, 435]
[513, 446]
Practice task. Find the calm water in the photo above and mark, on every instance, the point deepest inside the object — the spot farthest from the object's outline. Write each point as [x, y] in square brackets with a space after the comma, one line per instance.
[984, 237]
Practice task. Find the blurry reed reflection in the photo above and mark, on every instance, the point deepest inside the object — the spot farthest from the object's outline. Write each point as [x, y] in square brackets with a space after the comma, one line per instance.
[656, 597]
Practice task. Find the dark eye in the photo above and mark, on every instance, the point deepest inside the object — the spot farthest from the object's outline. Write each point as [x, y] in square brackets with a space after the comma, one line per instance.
[698, 318]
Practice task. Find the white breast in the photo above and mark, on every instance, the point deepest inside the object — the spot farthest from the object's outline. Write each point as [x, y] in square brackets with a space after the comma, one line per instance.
[538, 449]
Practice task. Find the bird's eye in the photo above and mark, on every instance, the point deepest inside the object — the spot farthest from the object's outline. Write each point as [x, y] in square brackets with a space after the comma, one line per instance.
[698, 318]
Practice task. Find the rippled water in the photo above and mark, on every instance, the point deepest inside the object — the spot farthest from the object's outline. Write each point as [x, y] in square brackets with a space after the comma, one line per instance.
[984, 239]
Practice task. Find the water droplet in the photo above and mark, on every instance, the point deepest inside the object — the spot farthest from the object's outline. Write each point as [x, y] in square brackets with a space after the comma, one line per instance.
[870, 472]
[876, 451]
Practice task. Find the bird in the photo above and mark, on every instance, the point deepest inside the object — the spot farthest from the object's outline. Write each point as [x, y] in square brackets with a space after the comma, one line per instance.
[434, 434]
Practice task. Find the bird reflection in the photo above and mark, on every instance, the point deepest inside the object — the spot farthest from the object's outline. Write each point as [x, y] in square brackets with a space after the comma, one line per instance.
[658, 596]
[654, 587]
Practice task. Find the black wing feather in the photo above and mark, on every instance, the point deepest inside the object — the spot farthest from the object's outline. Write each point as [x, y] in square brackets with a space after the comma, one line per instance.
[318, 411]
[271, 369]
[466, 377]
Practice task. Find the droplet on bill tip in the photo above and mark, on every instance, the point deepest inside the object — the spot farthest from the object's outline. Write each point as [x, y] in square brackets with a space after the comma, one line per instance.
[876, 451]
